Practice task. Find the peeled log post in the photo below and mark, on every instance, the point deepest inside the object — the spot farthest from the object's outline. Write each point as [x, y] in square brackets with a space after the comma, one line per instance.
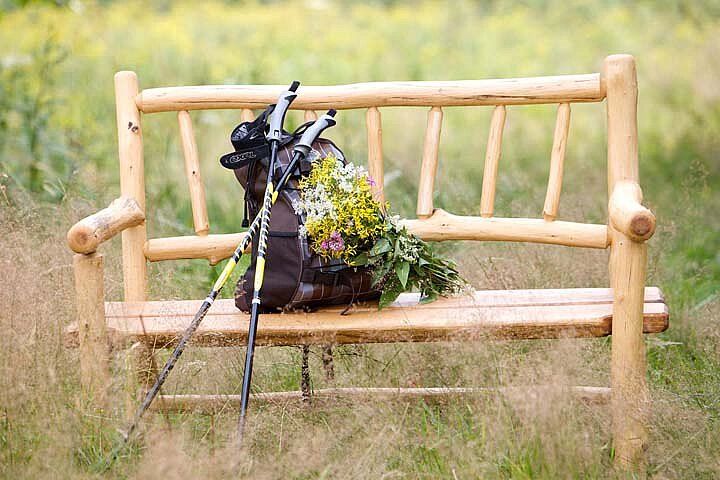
[132, 182]
[86, 235]
[93, 338]
[628, 260]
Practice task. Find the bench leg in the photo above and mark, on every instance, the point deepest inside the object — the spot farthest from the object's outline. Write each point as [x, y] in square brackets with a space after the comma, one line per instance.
[94, 351]
[628, 365]
[629, 398]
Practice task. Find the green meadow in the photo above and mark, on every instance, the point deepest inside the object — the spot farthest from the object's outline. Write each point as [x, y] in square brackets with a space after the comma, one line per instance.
[58, 163]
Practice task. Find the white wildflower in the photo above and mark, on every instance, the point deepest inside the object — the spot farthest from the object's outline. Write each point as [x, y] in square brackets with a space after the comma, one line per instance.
[394, 220]
[298, 206]
[409, 249]
[346, 185]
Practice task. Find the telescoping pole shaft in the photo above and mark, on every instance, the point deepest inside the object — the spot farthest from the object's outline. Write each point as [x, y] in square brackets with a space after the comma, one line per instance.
[308, 137]
[301, 149]
[273, 136]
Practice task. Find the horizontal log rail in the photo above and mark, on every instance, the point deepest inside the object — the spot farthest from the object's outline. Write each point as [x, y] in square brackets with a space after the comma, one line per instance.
[213, 404]
[515, 91]
[87, 234]
[627, 215]
[439, 227]
[213, 247]
[446, 226]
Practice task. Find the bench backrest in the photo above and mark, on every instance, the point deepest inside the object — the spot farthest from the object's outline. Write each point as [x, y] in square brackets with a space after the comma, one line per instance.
[617, 82]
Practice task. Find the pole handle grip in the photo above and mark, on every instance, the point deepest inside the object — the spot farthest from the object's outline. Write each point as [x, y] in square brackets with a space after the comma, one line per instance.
[313, 132]
[281, 108]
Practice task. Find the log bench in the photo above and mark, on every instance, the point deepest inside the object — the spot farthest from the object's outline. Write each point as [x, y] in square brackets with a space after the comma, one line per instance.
[626, 310]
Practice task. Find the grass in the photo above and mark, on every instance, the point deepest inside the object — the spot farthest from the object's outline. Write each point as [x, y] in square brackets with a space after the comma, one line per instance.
[58, 163]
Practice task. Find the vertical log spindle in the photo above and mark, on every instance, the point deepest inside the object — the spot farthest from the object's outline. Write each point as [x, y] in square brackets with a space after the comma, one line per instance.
[428, 170]
[492, 158]
[310, 116]
[373, 123]
[247, 115]
[192, 172]
[557, 160]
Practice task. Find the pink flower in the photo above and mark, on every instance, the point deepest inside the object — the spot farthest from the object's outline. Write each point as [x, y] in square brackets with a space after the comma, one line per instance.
[335, 243]
[370, 181]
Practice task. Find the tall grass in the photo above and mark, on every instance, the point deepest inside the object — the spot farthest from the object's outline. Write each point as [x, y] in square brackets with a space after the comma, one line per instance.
[58, 162]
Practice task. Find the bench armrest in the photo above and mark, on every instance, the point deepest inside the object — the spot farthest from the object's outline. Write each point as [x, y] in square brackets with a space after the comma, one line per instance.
[627, 215]
[87, 234]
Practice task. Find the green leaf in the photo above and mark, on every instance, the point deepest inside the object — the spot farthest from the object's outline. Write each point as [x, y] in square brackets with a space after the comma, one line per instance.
[380, 273]
[402, 270]
[360, 259]
[389, 295]
[381, 246]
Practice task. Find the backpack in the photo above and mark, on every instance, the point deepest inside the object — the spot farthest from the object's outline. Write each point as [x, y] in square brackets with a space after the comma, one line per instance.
[295, 276]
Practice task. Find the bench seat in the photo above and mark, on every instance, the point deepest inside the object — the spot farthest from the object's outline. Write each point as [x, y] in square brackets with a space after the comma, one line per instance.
[497, 314]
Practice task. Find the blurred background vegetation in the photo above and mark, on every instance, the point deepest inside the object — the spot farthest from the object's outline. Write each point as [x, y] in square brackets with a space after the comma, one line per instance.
[58, 148]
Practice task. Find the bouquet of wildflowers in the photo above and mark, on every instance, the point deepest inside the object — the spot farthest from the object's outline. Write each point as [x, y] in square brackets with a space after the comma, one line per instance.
[343, 220]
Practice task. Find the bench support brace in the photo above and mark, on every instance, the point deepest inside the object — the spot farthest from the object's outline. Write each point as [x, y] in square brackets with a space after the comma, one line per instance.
[628, 260]
[93, 338]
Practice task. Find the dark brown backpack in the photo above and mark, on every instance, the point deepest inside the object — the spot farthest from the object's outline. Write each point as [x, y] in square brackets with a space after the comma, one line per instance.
[295, 277]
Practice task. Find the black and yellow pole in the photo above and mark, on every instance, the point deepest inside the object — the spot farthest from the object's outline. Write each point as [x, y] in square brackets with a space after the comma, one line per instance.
[301, 149]
[273, 136]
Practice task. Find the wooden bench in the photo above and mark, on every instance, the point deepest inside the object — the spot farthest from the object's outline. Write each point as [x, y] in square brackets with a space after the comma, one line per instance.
[626, 310]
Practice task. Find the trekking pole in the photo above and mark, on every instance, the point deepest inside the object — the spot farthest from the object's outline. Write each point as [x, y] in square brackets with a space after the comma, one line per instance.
[304, 146]
[273, 137]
